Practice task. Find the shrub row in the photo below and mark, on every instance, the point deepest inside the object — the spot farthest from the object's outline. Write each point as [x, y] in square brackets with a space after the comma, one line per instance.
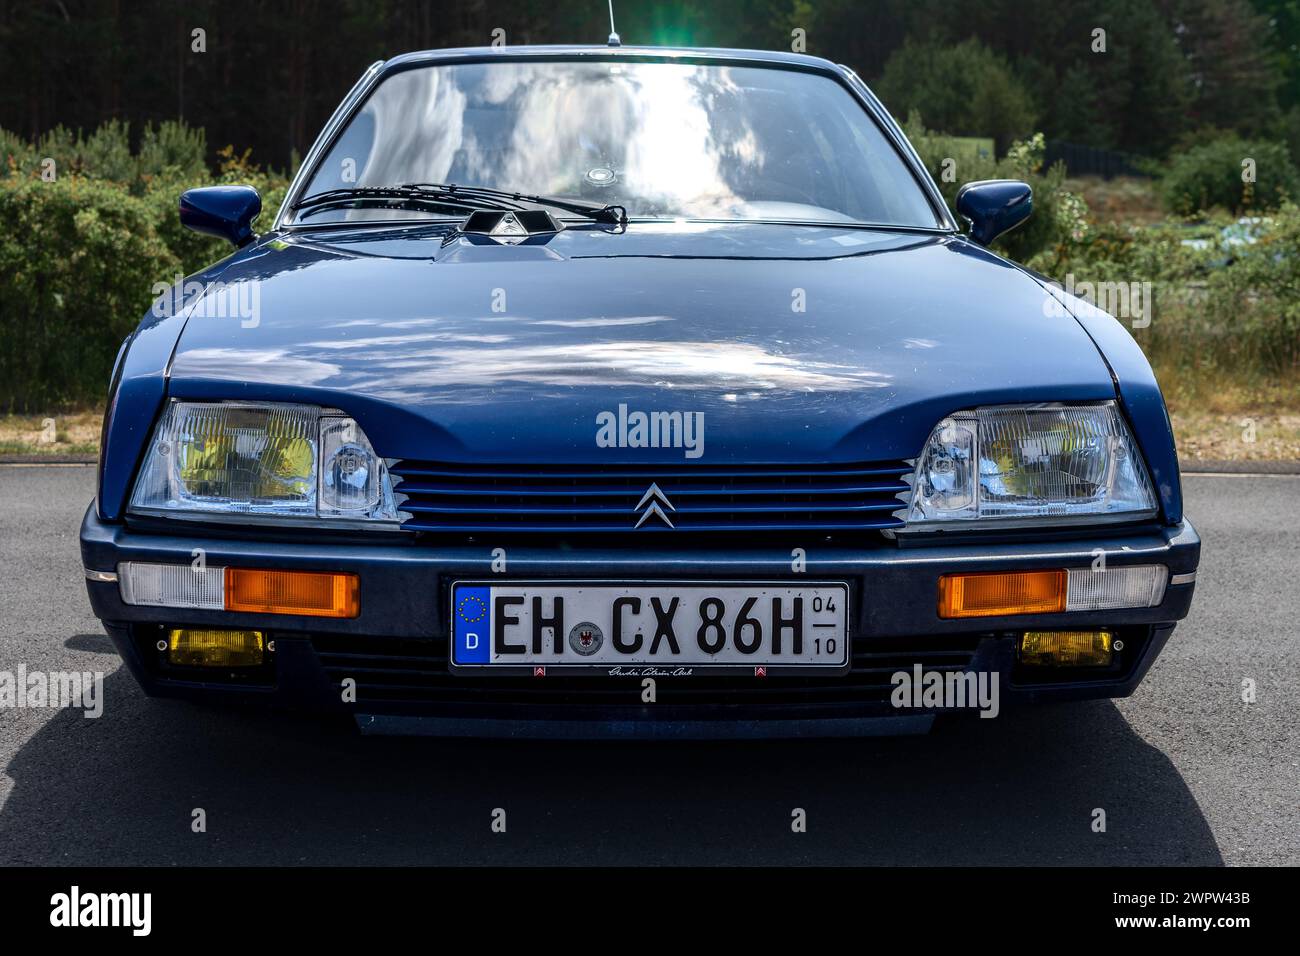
[1232, 173]
[1220, 309]
[1225, 309]
[81, 252]
[77, 260]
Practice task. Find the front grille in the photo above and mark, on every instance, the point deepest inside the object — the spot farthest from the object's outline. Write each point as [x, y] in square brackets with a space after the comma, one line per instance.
[444, 497]
[405, 673]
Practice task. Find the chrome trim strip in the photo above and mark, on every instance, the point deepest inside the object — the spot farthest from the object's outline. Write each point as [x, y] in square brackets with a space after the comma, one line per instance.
[102, 577]
[1187, 577]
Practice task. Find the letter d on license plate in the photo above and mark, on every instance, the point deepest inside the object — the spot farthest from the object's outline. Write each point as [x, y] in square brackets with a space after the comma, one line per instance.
[680, 628]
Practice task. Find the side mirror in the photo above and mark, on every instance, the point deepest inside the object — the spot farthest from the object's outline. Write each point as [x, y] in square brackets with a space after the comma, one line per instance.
[994, 206]
[225, 211]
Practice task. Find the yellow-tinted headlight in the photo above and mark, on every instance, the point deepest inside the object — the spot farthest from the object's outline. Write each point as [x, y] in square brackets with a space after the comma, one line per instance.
[248, 454]
[245, 461]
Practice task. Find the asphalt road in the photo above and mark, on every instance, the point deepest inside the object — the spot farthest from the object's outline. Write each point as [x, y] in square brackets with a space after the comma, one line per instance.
[1185, 771]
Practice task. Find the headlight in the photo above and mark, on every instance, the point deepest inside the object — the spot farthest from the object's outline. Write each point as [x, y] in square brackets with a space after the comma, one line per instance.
[238, 461]
[1042, 463]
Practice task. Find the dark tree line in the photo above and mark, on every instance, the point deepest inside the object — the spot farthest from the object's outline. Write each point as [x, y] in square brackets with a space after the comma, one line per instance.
[270, 71]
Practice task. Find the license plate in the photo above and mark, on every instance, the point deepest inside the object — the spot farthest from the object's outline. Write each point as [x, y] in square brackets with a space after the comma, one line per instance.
[648, 628]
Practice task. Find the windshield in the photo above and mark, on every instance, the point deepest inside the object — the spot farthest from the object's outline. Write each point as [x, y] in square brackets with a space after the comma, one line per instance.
[664, 140]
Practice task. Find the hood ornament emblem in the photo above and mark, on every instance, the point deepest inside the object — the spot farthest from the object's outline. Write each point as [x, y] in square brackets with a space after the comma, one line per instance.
[653, 502]
[508, 227]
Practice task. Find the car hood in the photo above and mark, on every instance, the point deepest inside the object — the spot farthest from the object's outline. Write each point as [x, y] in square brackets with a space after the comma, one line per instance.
[795, 343]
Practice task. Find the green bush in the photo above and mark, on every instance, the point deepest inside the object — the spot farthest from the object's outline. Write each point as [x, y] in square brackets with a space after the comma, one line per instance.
[16, 154]
[171, 151]
[80, 255]
[1209, 175]
[104, 154]
[1257, 296]
[1235, 312]
[77, 262]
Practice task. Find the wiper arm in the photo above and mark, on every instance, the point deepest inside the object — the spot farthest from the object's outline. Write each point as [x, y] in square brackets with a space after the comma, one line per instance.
[464, 197]
[407, 192]
[614, 215]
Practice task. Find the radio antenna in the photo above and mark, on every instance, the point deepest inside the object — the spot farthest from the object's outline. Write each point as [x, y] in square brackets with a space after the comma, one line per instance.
[613, 34]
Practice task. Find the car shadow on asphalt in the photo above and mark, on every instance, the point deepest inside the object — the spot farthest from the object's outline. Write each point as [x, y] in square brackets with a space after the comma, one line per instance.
[91, 643]
[1024, 788]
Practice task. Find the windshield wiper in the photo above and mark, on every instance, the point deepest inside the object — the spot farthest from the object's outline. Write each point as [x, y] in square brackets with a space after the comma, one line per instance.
[464, 197]
[408, 193]
[614, 215]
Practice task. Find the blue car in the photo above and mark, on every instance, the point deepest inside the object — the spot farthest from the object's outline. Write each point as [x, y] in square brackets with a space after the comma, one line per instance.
[581, 392]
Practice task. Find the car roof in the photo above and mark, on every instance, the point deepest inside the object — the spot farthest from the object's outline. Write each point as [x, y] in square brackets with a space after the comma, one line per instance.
[600, 51]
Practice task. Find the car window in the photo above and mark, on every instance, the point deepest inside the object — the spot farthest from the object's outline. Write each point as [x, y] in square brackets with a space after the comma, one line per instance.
[665, 140]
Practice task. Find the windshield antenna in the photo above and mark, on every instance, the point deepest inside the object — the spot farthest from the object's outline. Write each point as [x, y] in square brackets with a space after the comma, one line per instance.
[613, 34]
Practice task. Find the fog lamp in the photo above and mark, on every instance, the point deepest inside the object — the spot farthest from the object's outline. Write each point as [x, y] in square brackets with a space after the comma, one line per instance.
[1067, 648]
[211, 647]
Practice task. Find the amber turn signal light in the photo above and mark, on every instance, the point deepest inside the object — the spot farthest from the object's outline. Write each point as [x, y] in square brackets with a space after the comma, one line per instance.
[312, 593]
[1010, 592]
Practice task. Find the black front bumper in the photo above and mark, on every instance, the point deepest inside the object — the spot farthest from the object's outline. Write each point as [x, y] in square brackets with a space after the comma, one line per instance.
[396, 649]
